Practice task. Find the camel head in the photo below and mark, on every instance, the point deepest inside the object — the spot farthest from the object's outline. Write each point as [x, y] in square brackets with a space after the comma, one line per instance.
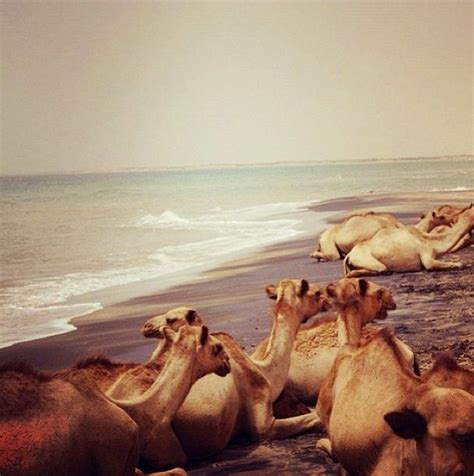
[175, 318]
[444, 215]
[372, 300]
[298, 295]
[441, 421]
[210, 356]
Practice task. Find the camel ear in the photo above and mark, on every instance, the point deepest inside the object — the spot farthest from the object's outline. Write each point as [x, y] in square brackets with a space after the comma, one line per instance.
[191, 316]
[271, 291]
[363, 286]
[422, 216]
[406, 424]
[204, 335]
[304, 287]
[331, 290]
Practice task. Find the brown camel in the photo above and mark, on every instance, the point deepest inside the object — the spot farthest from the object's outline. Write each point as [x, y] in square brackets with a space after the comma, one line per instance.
[241, 403]
[357, 302]
[49, 425]
[194, 354]
[382, 419]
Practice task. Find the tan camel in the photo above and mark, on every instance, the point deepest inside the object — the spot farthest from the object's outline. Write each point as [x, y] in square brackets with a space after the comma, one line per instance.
[103, 373]
[406, 249]
[135, 381]
[49, 425]
[241, 403]
[175, 318]
[358, 302]
[338, 240]
[381, 419]
[446, 372]
[194, 354]
[450, 215]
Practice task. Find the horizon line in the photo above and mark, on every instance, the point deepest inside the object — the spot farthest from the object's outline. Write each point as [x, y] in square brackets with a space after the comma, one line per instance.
[211, 166]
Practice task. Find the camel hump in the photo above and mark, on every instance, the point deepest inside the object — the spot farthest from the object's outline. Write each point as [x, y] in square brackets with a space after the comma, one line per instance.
[445, 360]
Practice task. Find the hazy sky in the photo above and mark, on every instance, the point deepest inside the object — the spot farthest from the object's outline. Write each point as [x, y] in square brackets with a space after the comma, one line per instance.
[111, 85]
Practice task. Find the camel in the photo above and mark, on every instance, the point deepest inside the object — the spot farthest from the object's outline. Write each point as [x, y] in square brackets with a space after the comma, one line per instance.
[100, 371]
[358, 302]
[194, 354]
[450, 215]
[338, 240]
[446, 372]
[405, 249]
[382, 419]
[46, 423]
[286, 404]
[241, 403]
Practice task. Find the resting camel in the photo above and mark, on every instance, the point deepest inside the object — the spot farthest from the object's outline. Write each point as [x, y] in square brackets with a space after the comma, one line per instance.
[450, 215]
[241, 403]
[357, 302]
[338, 240]
[446, 372]
[51, 426]
[382, 419]
[405, 249]
[194, 354]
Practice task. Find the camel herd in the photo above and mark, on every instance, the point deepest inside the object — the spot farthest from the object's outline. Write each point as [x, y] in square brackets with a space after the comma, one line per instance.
[200, 390]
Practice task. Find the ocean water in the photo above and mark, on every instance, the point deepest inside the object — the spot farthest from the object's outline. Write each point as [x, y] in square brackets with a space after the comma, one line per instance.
[67, 235]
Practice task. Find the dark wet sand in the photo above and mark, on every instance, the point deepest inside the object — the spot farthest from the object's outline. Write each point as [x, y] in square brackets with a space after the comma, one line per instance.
[435, 312]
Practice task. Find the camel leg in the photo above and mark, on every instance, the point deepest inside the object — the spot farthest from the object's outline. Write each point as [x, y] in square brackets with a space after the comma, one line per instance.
[367, 265]
[286, 427]
[432, 264]
[324, 444]
[325, 256]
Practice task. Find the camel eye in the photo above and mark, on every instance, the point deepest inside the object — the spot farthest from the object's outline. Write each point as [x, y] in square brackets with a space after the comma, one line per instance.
[171, 320]
[218, 349]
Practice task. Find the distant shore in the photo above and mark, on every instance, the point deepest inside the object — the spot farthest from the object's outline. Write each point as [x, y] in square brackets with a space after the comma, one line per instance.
[230, 297]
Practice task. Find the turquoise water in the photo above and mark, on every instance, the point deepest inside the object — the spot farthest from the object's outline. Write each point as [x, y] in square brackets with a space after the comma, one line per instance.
[63, 236]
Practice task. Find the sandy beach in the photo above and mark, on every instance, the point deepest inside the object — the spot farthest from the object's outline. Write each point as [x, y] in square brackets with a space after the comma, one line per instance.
[435, 312]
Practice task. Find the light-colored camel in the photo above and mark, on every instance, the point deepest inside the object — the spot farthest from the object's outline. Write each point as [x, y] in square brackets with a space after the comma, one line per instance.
[446, 372]
[338, 240]
[406, 249]
[381, 419]
[241, 403]
[193, 355]
[175, 318]
[358, 302]
[49, 425]
[450, 215]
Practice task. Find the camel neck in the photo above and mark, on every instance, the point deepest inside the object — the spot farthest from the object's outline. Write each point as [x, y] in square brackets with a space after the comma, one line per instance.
[276, 363]
[442, 242]
[349, 328]
[398, 457]
[161, 351]
[425, 224]
[169, 390]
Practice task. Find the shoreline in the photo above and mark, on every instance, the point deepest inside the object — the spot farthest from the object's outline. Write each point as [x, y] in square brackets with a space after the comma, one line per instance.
[229, 296]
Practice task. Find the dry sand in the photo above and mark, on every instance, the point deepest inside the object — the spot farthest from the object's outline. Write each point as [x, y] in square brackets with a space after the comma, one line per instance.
[435, 312]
